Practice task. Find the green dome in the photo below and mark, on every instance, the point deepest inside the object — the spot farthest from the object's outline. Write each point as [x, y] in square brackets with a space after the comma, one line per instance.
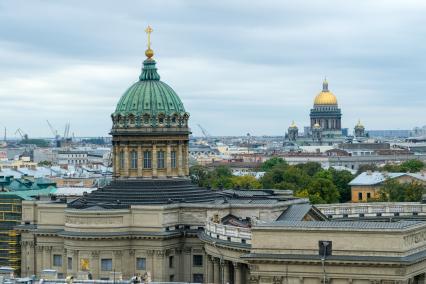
[150, 102]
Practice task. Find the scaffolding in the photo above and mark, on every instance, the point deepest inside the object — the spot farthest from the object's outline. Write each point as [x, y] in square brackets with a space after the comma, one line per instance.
[10, 249]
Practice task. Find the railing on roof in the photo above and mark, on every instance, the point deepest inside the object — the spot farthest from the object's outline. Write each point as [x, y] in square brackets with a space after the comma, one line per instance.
[228, 233]
[373, 209]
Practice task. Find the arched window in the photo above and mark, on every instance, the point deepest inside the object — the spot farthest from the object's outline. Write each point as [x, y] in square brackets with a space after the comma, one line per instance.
[134, 160]
[147, 159]
[122, 159]
[160, 159]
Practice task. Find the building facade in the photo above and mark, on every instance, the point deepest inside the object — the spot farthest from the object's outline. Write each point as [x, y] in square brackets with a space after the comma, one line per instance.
[152, 219]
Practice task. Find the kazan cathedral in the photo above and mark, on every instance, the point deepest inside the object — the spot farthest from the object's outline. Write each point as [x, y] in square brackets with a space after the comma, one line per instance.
[152, 221]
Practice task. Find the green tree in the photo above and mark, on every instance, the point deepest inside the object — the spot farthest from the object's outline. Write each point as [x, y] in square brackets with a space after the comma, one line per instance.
[45, 164]
[271, 163]
[412, 166]
[392, 191]
[392, 168]
[366, 167]
[414, 191]
[245, 182]
[220, 177]
[310, 168]
[341, 180]
[199, 175]
[321, 190]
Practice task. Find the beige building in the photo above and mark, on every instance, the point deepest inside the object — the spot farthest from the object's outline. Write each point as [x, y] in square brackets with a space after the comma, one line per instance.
[152, 219]
[366, 186]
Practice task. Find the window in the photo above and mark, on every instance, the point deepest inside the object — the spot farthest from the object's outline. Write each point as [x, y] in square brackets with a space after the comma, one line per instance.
[173, 159]
[121, 159]
[140, 263]
[146, 119]
[198, 278]
[172, 278]
[69, 264]
[160, 159]
[134, 159]
[57, 260]
[368, 195]
[197, 260]
[147, 159]
[106, 264]
[171, 261]
[359, 195]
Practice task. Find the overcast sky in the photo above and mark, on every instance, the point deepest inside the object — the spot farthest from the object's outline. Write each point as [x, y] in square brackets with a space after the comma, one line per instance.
[238, 66]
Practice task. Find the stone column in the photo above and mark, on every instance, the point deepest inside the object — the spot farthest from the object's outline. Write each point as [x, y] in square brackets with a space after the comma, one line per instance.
[31, 263]
[39, 260]
[118, 261]
[210, 269]
[64, 262]
[150, 262]
[75, 262]
[169, 160]
[180, 159]
[129, 265]
[126, 161]
[116, 163]
[179, 264]
[47, 257]
[237, 273]
[160, 267]
[140, 161]
[187, 264]
[216, 271]
[225, 267]
[94, 264]
[154, 160]
[24, 260]
[186, 159]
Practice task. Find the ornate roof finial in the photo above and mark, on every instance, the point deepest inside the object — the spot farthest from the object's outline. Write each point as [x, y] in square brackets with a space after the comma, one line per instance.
[149, 52]
[325, 85]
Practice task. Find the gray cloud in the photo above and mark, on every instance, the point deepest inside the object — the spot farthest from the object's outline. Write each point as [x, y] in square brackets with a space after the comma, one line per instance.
[239, 66]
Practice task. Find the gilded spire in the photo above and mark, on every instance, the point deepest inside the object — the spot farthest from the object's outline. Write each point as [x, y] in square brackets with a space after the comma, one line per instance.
[149, 52]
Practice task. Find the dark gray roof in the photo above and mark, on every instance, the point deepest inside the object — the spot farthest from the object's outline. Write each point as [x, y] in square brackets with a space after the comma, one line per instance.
[295, 212]
[344, 225]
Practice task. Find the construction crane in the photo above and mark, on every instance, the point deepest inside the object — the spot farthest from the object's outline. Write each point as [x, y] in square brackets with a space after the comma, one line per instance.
[54, 132]
[66, 130]
[23, 135]
[205, 133]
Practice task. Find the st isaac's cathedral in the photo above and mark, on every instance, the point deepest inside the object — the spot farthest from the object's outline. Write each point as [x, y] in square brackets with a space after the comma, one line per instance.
[152, 221]
[325, 122]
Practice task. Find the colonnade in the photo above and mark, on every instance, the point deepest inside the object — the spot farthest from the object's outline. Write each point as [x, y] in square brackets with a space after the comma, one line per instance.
[175, 159]
[220, 271]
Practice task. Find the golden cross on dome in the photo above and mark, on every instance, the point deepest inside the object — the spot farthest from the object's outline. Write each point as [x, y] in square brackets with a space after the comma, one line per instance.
[149, 30]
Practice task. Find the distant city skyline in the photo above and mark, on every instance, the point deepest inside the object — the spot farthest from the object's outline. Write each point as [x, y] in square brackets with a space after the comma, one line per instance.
[238, 68]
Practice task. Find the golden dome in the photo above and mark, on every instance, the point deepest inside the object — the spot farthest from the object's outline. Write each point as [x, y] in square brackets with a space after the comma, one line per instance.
[316, 125]
[325, 97]
[359, 124]
[293, 125]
